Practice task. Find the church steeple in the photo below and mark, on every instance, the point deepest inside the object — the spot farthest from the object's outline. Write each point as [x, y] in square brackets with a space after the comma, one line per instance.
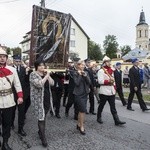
[142, 19]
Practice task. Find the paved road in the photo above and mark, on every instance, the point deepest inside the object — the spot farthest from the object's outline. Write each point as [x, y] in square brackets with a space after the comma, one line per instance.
[62, 133]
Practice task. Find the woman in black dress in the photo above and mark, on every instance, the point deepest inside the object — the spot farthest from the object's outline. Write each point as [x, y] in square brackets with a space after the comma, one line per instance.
[81, 91]
[40, 96]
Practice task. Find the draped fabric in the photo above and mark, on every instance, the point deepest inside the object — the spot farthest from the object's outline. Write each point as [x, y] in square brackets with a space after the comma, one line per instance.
[50, 36]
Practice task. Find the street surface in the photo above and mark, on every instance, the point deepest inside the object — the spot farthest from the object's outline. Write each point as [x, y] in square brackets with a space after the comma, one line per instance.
[63, 135]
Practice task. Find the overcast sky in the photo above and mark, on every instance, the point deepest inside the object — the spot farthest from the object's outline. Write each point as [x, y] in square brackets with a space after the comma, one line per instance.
[97, 17]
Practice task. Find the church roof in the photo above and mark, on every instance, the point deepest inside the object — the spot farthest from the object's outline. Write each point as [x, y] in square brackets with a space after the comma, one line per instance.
[142, 19]
[136, 53]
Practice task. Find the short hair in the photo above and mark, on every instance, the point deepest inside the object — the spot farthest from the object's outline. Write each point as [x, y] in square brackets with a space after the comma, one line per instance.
[37, 64]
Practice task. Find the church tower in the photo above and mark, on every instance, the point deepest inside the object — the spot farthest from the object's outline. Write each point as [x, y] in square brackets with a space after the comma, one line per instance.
[142, 33]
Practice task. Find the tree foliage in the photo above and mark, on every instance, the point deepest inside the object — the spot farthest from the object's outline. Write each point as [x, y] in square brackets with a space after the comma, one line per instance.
[16, 50]
[73, 55]
[94, 51]
[110, 45]
[125, 49]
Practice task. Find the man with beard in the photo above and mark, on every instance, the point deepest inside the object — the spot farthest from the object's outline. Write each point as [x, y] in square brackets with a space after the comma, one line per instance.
[8, 77]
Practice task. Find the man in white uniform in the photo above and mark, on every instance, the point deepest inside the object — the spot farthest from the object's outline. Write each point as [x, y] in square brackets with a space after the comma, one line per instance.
[8, 77]
[107, 90]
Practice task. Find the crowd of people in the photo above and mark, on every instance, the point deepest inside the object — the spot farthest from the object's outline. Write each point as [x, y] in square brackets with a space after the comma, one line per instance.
[83, 81]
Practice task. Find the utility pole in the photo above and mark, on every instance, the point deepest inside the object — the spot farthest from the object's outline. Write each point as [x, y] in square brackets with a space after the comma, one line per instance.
[42, 3]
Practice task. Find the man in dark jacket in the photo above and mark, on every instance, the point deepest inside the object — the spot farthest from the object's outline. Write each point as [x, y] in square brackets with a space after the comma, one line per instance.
[135, 86]
[118, 81]
[71, 86]
[92, 87]
[21, 108]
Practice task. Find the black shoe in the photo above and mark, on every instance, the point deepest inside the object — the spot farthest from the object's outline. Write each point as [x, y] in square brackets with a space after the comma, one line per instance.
[93, 113]
[44, 142]
[99, 120]
[22, 132]
[5, 146]
[58, 116]
[87, 113]
[146, 109]
[82, 132]
[119, 123]
[117, 120]
[130, 109]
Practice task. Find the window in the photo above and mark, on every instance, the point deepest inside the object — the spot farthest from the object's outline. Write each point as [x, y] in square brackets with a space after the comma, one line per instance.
[72, 31]
[140, 35]
[146, 33]
[72, 43]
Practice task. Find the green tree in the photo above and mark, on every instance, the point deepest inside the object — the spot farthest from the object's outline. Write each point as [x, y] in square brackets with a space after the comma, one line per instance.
[94, 51]
[110, 45]
[16, 50]
[125, 49]
[73, 55]
[8, 50]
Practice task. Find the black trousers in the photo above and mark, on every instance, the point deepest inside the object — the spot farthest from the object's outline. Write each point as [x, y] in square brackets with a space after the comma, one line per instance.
[6, 116]
[103, 100]
[65, 93]
[91, 100]
[71, 101]
[139, 96]
[56, 94]
[27, 104]
[121, 96]
[21, 114]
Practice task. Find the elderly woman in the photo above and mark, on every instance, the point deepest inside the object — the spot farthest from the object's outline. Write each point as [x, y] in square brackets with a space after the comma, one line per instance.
[40, 83]
[81, 91]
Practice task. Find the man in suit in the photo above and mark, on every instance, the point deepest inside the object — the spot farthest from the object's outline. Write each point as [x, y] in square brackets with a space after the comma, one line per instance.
[71, 86]
[118, 81]
[21, 108]
[135, 86]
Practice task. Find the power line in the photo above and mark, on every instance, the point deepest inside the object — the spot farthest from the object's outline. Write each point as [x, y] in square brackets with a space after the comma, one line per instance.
[11, 1]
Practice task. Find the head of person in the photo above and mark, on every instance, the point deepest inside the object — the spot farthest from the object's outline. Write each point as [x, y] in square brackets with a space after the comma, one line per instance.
[27, 63]
[126, 67]
[39, 66]
[17, 60]
[87, 62]
[80, 65]
[118, 65]
[75, 61]
[135, 62]
[3, 57]
[107, 61]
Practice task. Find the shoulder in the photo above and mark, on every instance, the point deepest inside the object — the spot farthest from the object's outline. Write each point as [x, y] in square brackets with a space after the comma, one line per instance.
[12, 69]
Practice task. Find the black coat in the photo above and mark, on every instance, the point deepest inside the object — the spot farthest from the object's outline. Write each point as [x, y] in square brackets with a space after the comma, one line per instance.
[24, 80]
[118, 79]
[134, 76]
[82, 84]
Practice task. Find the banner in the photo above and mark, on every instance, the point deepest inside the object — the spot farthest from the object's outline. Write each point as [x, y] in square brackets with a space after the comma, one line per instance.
[50, 36]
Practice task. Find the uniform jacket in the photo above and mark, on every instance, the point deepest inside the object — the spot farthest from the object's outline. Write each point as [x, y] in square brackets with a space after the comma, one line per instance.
[134, 76]
[103, 79]
[24, 80]
[11, 73]
[118, 79]
[37, 94]
[82, 84]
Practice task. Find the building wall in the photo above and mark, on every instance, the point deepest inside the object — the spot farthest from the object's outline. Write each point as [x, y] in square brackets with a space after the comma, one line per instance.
[142, 37]
[81, 42]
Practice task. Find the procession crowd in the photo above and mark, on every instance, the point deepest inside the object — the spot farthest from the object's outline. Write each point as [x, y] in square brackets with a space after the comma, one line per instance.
[83, 81]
